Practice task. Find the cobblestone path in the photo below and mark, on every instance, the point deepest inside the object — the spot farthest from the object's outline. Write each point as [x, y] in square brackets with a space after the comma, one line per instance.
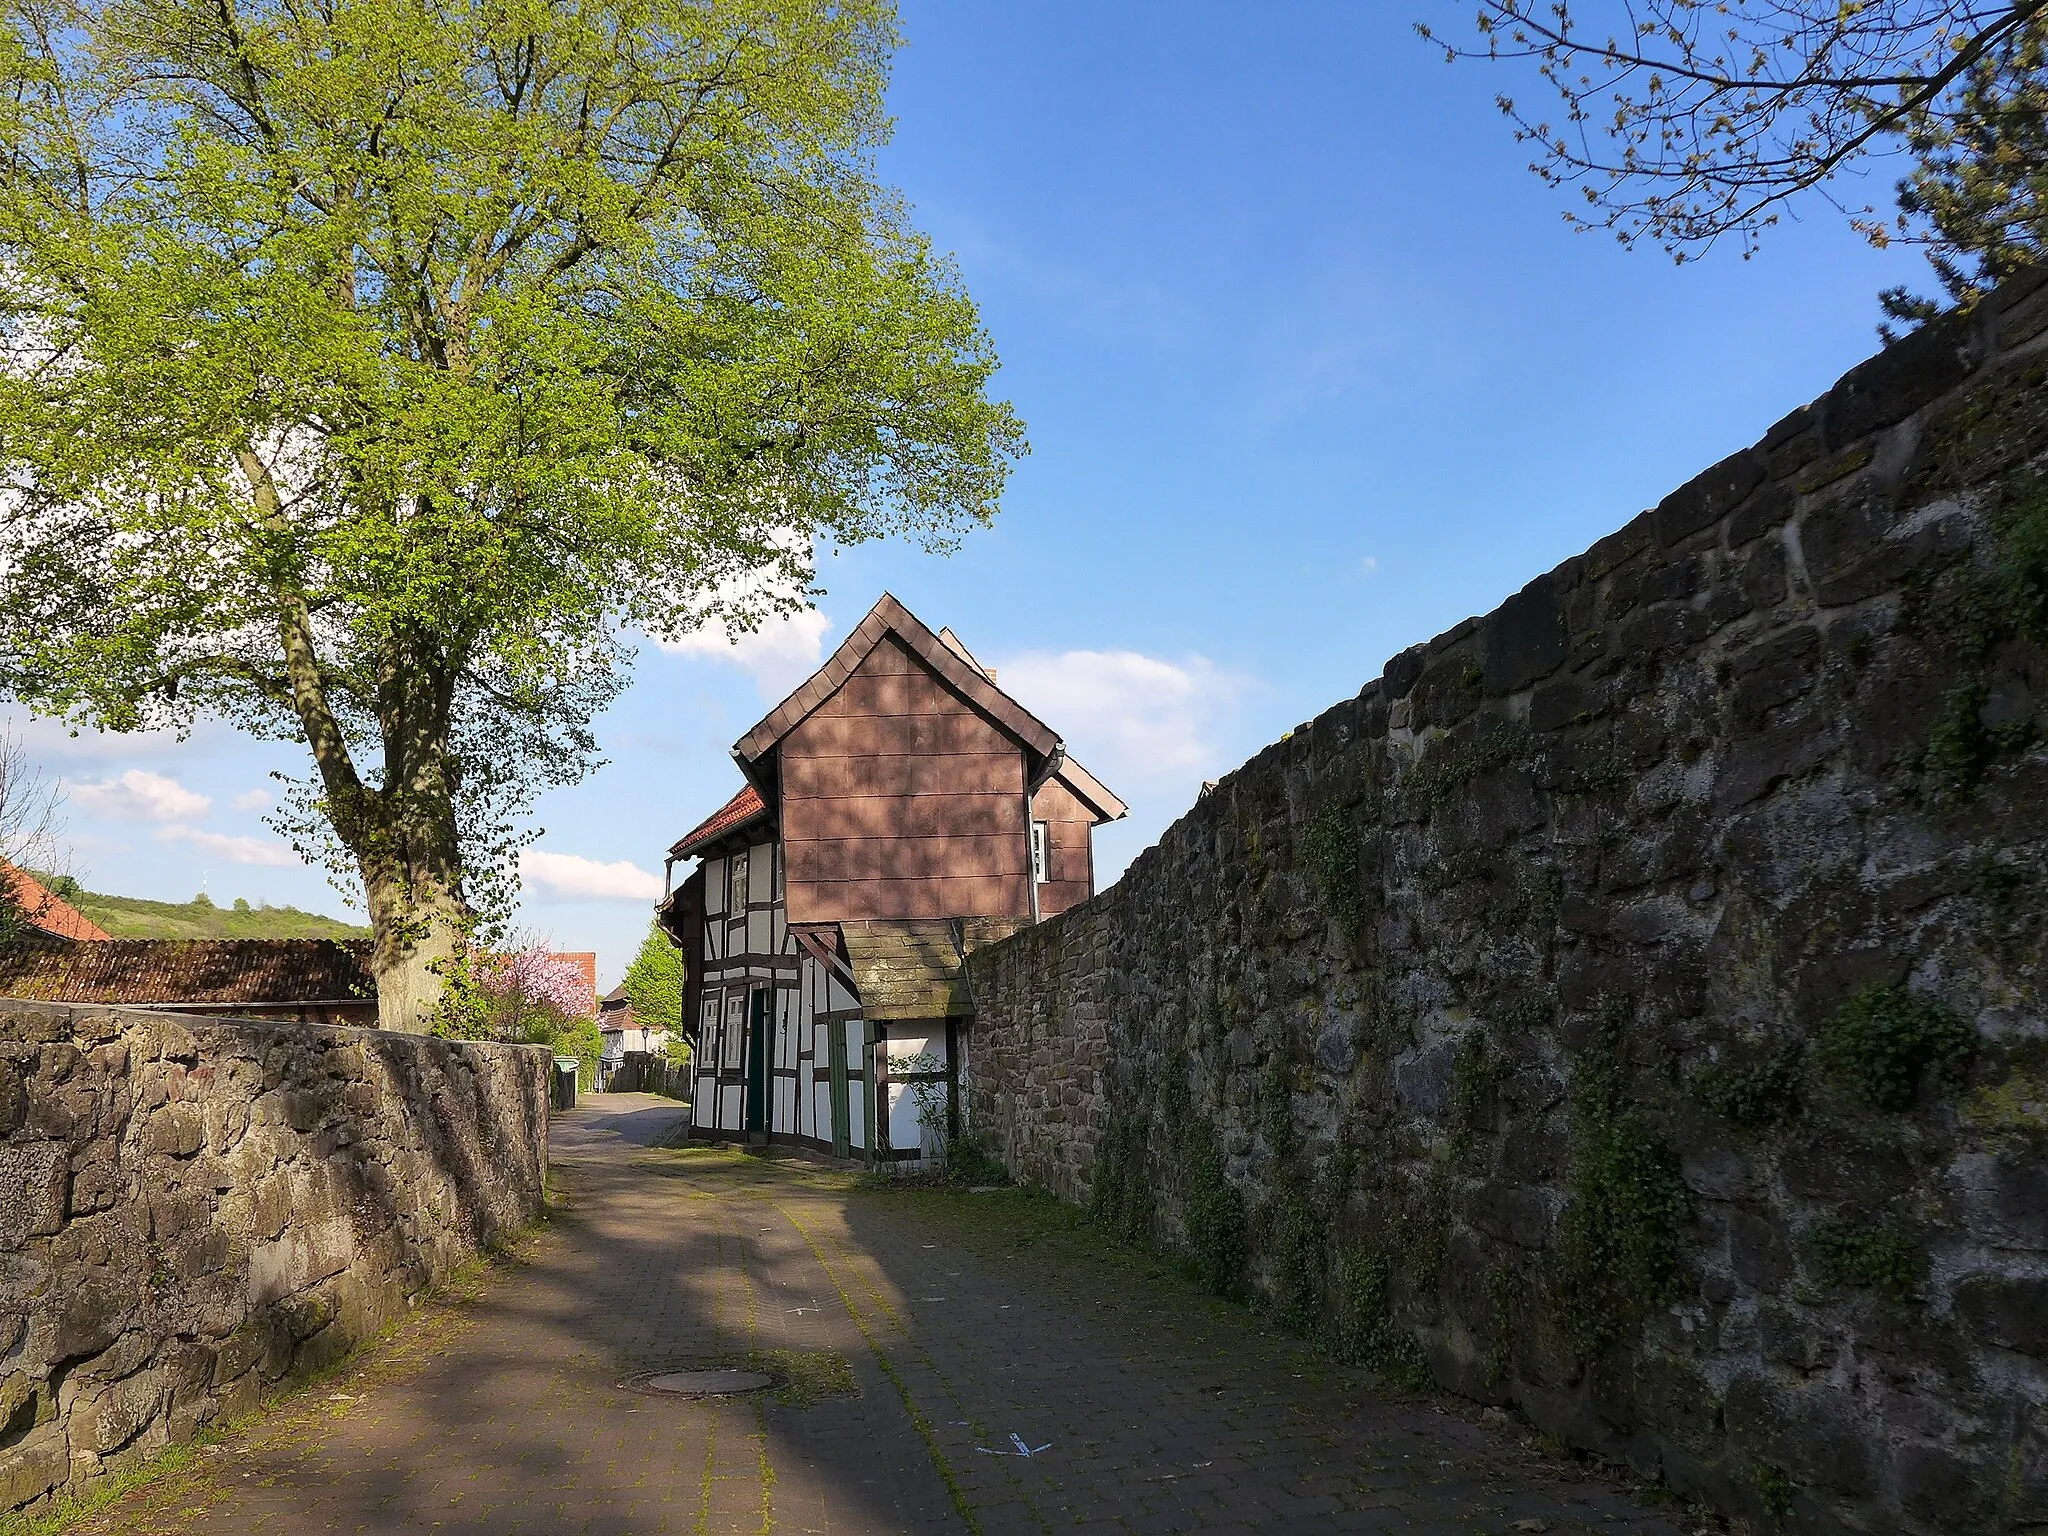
[972, 1324]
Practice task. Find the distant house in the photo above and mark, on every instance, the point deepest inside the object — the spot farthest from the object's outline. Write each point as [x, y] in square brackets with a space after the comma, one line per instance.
[899, 809]
[622, 1033]
[311, 981]
[45, 910]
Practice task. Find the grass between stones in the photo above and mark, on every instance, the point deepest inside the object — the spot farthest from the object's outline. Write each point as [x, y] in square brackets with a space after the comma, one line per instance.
[160, 1496]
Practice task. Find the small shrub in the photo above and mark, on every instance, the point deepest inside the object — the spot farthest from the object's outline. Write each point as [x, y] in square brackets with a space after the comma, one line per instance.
[1870, 1257]
[1328, 849]
[1760, 1094]
[1364, 1332]
[1619, 1238]
[1215, 1222]
[970, 1160]
[1296, 1244]
[1887, 1041]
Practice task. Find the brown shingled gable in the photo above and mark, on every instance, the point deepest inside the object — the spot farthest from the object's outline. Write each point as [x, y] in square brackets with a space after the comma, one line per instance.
[889, 617]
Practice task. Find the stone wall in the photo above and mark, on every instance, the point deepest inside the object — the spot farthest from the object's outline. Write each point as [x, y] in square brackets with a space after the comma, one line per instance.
[1629, 1006]
[191, 1208]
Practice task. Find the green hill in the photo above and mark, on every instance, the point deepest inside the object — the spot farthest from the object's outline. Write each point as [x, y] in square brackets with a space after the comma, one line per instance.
[130, 917]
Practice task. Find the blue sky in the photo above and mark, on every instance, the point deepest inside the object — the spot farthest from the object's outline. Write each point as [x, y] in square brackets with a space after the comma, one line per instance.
[1312, 367]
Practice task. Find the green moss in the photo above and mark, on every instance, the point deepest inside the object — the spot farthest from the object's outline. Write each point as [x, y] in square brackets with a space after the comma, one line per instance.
[1877, 1257]
[1996, 883]
[1774, 1490]
[1959, 748]
[2020, 524]
[1539, 892]
[1276, 1107]
[1363, 1330]
[1120, 1189]
[1619, 1239]
[1761, 1093]
[1502, 1286]
[1444, 771]
[1328, 850]
[1888, 1042]
[805, 1376]
[1476, 1073]
[2014, 1110]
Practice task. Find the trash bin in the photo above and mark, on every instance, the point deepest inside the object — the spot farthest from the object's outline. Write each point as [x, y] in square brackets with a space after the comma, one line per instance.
[565, 1082]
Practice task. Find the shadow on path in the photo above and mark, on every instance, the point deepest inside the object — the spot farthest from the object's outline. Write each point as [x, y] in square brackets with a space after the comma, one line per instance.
[965, 1319]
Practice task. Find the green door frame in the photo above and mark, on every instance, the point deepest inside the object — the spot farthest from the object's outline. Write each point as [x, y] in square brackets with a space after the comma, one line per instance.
[760, 1011]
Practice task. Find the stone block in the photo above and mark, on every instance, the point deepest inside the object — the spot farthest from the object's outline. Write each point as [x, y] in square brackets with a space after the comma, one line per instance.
[1914, 371]
[34, 1184]
[176, 1130]
[1525, 639]
[34, 1467]
[1708, 497]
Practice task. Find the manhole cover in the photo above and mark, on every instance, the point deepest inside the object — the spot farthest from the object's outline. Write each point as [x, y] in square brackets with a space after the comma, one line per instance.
[704, 1383]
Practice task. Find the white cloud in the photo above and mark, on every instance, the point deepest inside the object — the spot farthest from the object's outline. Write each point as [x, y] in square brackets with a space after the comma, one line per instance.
[1125, 715]
[139, 795]
[236, 850]
[1369, 566]
[570, 877]
[255, 800]
[778, 656]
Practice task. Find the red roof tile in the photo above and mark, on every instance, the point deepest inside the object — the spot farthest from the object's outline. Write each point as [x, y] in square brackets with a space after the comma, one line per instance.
[141, 972]
[736, 812]
[45, 909]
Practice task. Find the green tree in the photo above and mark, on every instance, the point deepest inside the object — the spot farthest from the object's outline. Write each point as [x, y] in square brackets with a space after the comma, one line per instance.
[1978, 197]
[374, 370]
[654, 982]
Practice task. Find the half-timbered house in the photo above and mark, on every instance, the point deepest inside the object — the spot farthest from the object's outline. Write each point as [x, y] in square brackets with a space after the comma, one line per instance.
[899, 809]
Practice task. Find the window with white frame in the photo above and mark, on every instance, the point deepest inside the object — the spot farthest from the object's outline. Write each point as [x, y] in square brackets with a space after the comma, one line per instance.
[738, 905]
[1041, 851]
[735, 1028]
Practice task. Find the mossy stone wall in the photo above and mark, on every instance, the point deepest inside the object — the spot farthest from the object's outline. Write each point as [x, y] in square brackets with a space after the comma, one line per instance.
[1629, 1006]
[191, 1208]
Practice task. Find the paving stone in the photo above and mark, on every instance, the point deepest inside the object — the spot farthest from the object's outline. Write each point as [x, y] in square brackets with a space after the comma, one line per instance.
[1154, 1420]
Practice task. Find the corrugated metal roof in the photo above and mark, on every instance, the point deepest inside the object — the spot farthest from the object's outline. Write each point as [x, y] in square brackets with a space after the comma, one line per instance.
[734, 814]
[140, 972]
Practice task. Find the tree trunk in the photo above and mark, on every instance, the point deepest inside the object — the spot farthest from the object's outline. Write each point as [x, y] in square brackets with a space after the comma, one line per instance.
[416, 929]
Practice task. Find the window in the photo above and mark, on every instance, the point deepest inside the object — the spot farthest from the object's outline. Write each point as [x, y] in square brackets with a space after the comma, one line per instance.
[707, 1030]
[739, 884]
[735, 1028]
[1041, 851]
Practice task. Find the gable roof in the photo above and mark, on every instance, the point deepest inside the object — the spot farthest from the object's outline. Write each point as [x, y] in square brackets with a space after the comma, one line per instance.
[889, 617]
[140, 972]
[45, 909]
[1091, 791]
[741, 809]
